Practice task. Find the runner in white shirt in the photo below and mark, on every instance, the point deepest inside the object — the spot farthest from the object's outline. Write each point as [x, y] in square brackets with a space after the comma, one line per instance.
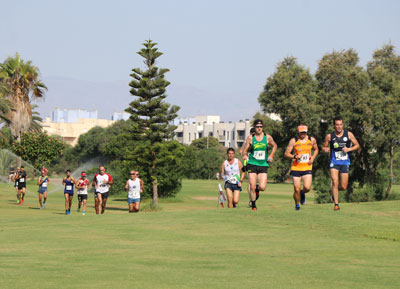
[102, 182]
[134, 186]
[231, 171]
[83, 185]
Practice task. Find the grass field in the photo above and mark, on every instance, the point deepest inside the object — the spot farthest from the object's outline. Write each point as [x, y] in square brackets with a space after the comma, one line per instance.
[190, 243]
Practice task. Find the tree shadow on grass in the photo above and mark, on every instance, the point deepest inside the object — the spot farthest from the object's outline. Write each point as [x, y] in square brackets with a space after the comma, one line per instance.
[33, 208]
[120, 200]
[116, 209]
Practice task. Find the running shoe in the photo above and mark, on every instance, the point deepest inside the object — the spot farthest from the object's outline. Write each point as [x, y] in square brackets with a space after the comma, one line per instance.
[249, 204]
[41, 207]
[78, 210]
[257, 192]
[302, 197]
[83, 213]
[297, 207]
[44, 205]
[19, 203]
[66, 212]
[336, 207]
[254, 209]
[23, 200]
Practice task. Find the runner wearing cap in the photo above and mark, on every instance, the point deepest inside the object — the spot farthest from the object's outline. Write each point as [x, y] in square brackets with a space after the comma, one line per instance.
[83, 185]
[134, 186]
[301, 169]
[340, 142]
[43, 182]
[257, 165]
[102, 182]
[69, 183]
[231, 171]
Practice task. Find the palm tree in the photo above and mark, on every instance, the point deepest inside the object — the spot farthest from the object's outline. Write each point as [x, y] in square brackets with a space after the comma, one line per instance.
[36, 120]
[23, 83]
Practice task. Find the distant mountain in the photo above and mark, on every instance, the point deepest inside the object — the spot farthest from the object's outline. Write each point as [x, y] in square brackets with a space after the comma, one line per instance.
[109, 97]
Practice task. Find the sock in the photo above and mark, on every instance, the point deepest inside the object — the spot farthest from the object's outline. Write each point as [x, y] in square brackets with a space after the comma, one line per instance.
[253, 204]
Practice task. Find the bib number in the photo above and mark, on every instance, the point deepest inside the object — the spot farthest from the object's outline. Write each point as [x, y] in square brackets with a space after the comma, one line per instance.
[233, 180]
[304, 158]
[21, 180]
[68, 188]
[341, 156]
[44, 185]
[259, 155]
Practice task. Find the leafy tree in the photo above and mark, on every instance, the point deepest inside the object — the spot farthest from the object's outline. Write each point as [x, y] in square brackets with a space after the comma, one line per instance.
[290, 92]
[384, 72]
[23, 83]
[90, 145]
[38, 148]
[343, 90]
[36, 120]
[151, 117]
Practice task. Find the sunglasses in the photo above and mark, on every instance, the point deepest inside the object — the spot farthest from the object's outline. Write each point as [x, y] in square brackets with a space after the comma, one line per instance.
[133, 174]
[259, 126]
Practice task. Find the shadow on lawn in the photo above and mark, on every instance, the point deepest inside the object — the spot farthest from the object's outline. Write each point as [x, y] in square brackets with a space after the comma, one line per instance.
[116, 209]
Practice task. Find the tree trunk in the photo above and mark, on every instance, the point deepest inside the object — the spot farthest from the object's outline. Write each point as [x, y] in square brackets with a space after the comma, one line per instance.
[155, 192]
[20, 116]
[390, 174]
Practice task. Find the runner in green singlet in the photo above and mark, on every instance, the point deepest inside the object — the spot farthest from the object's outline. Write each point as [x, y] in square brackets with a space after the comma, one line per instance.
[257, 165]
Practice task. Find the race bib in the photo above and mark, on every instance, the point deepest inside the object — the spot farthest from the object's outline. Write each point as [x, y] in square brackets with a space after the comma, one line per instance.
[233, 180]
[44, 185]
[68, 188]
[304, 158]
[259, 155]
[21, 180]
[341, 156]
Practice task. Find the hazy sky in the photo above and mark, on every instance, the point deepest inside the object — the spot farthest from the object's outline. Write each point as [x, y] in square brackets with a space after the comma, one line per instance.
[219, 52]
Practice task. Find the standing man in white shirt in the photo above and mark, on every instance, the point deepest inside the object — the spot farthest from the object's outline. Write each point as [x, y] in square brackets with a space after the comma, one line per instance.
[134, 186]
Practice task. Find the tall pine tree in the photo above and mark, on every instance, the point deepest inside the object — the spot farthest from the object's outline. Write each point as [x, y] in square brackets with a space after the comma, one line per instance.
[151, 115]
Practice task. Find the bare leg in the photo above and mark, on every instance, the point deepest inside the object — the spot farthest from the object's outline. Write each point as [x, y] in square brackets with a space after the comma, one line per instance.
[297, 189]
[230, 197]
[335, 185]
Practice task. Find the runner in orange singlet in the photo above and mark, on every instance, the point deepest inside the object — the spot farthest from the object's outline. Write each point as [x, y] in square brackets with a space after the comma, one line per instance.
[303, 158]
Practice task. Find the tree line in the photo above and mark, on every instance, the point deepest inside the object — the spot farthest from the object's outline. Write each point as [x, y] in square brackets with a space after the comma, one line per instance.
[368, 99]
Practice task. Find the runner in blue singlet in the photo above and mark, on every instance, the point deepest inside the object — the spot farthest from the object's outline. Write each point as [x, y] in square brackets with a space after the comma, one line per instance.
[339, 143]
[69, 183]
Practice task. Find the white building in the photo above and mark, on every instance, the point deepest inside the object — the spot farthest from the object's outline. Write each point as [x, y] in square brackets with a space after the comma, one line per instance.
[229, 134]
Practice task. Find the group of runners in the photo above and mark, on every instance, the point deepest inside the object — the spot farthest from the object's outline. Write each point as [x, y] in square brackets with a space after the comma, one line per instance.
[302, 150]
[101, 184]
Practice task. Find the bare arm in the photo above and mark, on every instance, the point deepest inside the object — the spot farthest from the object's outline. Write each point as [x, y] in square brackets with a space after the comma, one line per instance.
[246, 147]
[222, 170]
[141, 186]
[316, 150]
[289, 149]
[325, 147]
[271, 141]
[355, 146]
[38, 182]
[127, 185]
[242, 175]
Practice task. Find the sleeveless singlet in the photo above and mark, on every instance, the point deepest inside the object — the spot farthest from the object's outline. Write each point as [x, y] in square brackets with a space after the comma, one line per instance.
[69, 186]
[83, 191]
[134, 189]
[43, 185]
[232, 171]
[303, 149]
[259, 155]
[337, 144]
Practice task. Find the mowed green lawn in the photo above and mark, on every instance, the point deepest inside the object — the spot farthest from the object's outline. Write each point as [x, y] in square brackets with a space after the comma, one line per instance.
[190, 243]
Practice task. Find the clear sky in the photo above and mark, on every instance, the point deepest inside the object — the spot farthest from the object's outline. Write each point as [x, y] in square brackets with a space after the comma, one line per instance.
[219, 52]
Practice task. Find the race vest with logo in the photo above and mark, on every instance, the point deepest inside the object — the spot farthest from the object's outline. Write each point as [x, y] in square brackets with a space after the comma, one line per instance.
[339, 157]
[83, 185]
[259, 155]
[232, 171]
[102, 186]
[134, 189]
[303, 150]
[44, 184]
[69, 185]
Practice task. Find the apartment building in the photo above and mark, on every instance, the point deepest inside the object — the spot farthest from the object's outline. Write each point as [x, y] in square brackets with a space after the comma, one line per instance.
[229, 134]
